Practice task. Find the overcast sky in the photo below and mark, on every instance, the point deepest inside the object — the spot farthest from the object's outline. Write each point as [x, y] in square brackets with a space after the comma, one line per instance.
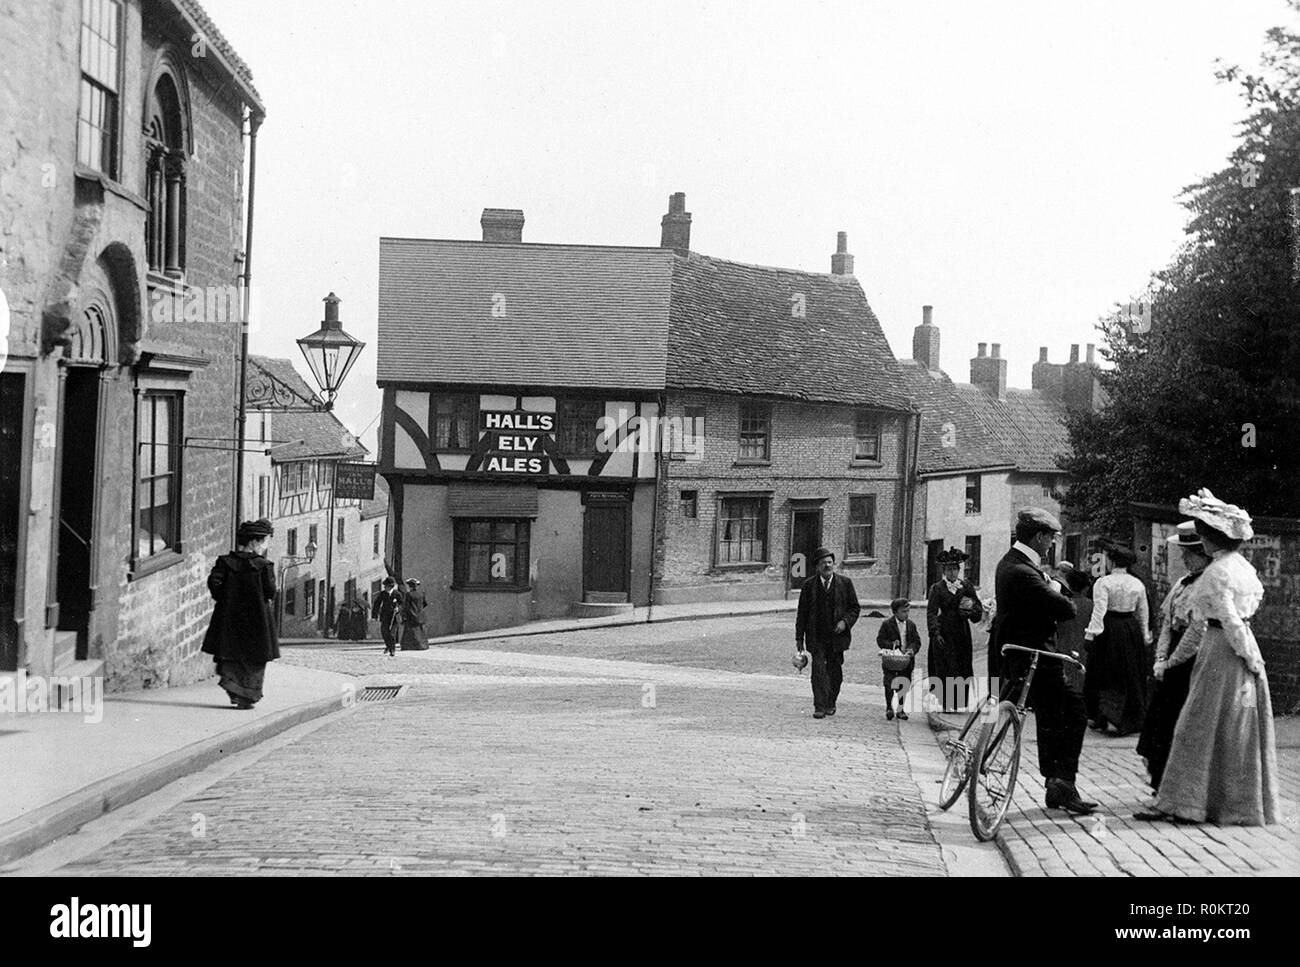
[1017, 165]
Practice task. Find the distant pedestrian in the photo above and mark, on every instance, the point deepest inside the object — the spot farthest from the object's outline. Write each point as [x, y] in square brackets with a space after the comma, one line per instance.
[413, 605]
[952, 606]
[1076, 585]
[1118, 636]
[828, 609]
[1222, 765]
[241, 636]
[899, 641]
[388, 609]
[1174, 660]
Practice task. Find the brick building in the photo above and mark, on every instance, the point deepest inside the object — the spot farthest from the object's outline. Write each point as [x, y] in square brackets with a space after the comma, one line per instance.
[988, 451]
[320, 563]
[537, 399]
[122, 235]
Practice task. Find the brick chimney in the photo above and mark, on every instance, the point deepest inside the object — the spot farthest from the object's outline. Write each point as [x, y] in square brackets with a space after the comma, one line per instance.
[1046, 377]
[502, 225]
[1080, 387]
[925, 341]
[676, 225]
[989, 373]
[842, 261]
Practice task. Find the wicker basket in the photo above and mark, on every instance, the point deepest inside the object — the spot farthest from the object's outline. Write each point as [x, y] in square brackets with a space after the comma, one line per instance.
[895, 661]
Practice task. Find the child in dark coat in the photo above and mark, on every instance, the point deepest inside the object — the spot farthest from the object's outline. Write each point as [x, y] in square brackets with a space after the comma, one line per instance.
[898, 632]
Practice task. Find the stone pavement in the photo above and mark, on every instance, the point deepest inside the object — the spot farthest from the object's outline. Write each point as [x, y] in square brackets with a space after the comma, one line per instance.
[1041, 842]
[533, 764]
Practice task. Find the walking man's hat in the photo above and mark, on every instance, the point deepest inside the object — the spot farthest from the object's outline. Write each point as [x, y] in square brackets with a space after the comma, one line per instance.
[1036, 515]
[822, 552]
[1185, 536]
[389, 582]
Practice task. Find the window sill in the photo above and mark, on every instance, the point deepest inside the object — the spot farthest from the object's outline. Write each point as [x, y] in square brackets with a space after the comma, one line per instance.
[744, 566]
[143, 567]
[860, 560]
[175, 285]
[751, 462]
[865, 464]
[85, 173]
[492, 588]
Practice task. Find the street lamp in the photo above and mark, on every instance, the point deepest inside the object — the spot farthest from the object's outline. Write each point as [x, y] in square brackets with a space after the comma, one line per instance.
[286, 564]
[330, 351]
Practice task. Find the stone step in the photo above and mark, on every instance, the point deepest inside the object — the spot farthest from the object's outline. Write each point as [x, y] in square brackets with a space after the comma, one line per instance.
[600, 609]
[605, 597]
[65, 648]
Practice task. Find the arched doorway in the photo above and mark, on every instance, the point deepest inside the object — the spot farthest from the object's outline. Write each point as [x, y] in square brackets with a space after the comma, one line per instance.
[74, 573]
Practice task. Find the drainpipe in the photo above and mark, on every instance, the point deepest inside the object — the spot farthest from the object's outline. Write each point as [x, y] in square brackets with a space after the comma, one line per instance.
[654, 508]
[254, 122]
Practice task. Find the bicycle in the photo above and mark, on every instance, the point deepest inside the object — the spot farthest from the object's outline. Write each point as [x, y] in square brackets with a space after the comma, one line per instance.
[999, 762]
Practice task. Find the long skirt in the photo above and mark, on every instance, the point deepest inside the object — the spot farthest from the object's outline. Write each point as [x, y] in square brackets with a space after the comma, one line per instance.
[951, 666]
[1222, 764]
[413, 637]
[1115, 689]
[242, 679]
[1162, 717]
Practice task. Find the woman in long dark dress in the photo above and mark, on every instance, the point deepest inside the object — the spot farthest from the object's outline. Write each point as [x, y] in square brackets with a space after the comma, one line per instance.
[1174, 661]
[951, 607]
[1119, 633]
[241, 636]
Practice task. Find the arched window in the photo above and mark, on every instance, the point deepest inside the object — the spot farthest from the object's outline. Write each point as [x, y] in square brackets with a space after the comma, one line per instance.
[167, 143]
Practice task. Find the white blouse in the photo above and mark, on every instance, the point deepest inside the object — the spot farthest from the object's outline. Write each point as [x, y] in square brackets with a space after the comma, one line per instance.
[1229, 592]
[1118, 591]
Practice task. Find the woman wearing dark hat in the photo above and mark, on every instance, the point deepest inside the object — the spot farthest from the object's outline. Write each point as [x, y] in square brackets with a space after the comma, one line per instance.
[413, 605]
[1174, 664]
[241, 636]
[1222, 765]
[952, 606]
[1115, 689]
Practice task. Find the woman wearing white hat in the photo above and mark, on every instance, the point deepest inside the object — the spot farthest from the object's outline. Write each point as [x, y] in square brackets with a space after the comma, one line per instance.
[1174, 660]
[1222, 764]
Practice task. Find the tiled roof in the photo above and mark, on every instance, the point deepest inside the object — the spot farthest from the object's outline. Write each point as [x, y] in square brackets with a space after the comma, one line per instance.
[1029, 425]
[567, 315]
[195, 12]
[311, 435]
[953, 437]
[733, 329]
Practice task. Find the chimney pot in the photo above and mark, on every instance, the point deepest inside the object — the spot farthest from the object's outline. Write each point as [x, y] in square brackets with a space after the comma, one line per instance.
[842, 261]
[983, 349]
[502, 225]
[927, 315]
[925, 341]
[1042, 354]
[997, 350]
[1091, 351]
[989, 373]
[1074, 352]
[676, 225]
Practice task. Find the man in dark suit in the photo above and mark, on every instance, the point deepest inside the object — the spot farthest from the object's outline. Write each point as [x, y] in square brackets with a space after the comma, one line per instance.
[1028, 609]
[828, 608]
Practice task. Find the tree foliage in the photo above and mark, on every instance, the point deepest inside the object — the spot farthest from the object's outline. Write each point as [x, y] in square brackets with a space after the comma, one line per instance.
[1210, 395]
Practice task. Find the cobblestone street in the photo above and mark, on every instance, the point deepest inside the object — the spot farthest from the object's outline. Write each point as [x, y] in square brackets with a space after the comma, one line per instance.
[511, 763]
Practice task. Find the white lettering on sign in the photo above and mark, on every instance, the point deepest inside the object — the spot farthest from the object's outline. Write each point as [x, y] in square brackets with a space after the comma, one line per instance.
[513, 465]
[517, 444]
[525, 422]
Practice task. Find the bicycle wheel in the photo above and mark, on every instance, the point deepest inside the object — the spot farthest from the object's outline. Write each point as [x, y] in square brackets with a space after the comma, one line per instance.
[993, 770]
[959, 752]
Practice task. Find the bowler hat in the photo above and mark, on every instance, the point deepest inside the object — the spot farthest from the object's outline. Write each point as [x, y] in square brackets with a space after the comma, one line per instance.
[389, 582]
[822, 552]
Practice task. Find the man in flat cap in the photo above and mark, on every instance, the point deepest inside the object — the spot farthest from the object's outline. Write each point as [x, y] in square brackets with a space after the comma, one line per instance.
[828, 608]
[1027, 611]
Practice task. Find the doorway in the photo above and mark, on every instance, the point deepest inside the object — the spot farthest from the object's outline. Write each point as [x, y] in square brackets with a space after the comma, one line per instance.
[74, 595]
[605, 550]
[12, 391]
[805, 538]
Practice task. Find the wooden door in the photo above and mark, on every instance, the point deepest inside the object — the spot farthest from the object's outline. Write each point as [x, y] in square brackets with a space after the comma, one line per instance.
[605, 548]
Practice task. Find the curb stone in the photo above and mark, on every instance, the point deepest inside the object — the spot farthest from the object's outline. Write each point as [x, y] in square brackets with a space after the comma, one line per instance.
[40, 827]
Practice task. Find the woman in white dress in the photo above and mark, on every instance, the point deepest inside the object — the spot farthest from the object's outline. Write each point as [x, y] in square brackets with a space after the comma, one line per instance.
[1222, 764]
[1118, 636]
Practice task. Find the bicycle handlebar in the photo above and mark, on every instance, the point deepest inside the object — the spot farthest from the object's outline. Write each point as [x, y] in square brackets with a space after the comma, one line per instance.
[1040, 651]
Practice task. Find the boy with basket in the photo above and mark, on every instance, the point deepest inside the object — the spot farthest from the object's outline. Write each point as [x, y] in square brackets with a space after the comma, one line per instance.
[899, 641]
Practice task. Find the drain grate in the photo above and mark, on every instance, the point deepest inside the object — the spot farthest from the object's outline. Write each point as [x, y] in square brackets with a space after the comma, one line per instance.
[379, 693]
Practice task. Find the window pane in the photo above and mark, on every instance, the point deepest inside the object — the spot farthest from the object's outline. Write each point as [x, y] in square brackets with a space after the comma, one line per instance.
[479, 563]
[480, 530]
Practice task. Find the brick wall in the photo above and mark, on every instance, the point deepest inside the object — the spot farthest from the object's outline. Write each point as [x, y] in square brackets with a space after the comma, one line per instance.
[811, 456]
